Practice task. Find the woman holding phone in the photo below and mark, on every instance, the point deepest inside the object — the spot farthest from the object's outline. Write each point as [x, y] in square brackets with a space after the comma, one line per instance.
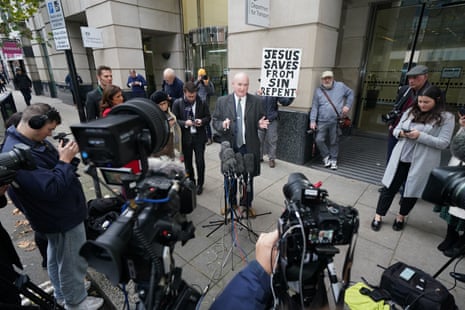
[423, 132]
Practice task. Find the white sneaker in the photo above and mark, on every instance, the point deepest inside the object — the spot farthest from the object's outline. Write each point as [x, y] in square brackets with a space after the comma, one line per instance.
[333, 165]
[326, 162]
[90, 303]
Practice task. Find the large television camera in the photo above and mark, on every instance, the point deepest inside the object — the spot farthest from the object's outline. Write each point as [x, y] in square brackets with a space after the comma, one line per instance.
[446, 186]
[19, 157]
[309, 229]
[140, 243]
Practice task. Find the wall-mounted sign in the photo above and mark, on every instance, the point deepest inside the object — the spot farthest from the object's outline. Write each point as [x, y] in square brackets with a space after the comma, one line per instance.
[61, 39]
[92, 37]
[12, 50]
[451, 72]
[258, 13]
[280, 71]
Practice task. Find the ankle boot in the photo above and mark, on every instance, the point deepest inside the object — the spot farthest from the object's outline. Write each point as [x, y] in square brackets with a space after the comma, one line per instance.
[451, 237]
[458, 248]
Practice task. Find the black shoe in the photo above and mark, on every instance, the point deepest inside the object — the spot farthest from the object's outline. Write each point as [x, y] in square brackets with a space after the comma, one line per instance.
[455, 251]
[448, 242]
[199, 189]
[398, 225]
[375, 225]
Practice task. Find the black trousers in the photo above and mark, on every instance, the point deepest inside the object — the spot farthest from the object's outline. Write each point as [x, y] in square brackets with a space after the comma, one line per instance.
[387, 194]
[197, 147]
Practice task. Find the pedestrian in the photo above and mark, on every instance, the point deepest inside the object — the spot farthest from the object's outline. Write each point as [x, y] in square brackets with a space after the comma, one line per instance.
[237, 119]
[94, 97]
[69, 83]
[137, 83]
[406, 97]
[24, 84]
[172, 85]
[206, 89]
[269, 137]
[53, 202]
[423, 132]
[331, 101]
[174, 141]
[112, 96]
[454, 242]
[193, 115]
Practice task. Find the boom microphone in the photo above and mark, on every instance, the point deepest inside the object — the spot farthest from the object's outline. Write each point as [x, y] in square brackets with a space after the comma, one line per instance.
[240, 169]
[457, 146]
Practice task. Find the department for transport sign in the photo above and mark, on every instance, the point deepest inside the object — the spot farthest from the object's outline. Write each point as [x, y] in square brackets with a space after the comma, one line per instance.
[280, 71]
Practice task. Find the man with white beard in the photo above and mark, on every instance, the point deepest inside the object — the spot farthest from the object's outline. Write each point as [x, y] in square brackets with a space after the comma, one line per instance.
[331, 101]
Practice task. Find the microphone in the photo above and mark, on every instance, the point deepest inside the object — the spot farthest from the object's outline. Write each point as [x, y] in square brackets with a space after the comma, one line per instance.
[224, 145]
[240, 168]
[249, 164]
[457, 146]
[228, 161]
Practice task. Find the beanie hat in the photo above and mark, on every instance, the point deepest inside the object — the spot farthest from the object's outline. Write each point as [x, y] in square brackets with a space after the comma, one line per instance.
[159, 96]
[201, 72]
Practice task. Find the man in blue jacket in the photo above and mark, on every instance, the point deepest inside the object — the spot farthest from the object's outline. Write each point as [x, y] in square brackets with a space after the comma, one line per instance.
[53, 201]
[250, 288]
[137, 83]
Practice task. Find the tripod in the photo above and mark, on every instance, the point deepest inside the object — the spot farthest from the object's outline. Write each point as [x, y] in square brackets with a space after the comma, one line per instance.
[458, 276]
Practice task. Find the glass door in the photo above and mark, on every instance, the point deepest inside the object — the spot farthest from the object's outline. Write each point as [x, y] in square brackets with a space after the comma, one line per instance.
[402, 37]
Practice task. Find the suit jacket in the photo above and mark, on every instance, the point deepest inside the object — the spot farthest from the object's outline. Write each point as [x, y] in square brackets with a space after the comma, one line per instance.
[93, 99]
[226, 108]
[201, 112]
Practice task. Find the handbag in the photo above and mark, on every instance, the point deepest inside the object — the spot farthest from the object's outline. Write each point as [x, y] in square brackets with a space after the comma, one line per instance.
[344, 122]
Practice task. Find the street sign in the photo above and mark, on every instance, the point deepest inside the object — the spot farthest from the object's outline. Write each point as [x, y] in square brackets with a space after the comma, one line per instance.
[55, 13]
[61, 39]
[92, 37]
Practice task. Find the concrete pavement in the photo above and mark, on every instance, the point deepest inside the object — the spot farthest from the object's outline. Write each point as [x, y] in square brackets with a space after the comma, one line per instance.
[202, 258]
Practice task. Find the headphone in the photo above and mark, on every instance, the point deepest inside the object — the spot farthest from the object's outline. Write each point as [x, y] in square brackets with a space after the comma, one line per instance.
[38, 121]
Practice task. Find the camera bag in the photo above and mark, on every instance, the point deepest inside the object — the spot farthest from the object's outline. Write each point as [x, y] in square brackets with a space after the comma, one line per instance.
[361, 297]
[412, 287]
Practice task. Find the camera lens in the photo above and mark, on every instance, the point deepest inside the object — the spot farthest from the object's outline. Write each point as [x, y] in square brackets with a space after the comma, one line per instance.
[293, 188]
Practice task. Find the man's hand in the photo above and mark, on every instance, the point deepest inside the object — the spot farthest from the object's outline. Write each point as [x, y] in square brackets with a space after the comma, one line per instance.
[68, 151]
[226, 123]
[266, 250]
[345, 110]
[313, 125]
[263, 123]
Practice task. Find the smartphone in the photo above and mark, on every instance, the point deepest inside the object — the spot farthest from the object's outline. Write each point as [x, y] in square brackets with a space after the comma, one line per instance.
[462, 111]
[406, 130]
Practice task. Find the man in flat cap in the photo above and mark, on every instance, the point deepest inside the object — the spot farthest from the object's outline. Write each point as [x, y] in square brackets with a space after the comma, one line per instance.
[331, 100]
[406, 96]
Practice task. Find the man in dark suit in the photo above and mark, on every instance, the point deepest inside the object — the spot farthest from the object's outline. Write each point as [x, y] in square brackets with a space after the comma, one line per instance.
[94, 97]
[241, 132]
[193, 115]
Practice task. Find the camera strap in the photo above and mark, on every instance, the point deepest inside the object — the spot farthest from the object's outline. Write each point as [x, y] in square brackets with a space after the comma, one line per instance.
[331, 102]
[400, 103]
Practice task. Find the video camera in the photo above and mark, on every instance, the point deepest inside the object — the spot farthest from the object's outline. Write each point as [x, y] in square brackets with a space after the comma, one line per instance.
[390, 117]
[446, 186]
[308, 229]
[140, 243]
[19, 157]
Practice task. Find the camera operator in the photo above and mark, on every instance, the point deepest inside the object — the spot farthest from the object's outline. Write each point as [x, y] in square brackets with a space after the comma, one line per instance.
[454, 243]
[253, 280]
[53, 201]
[206, 89]
[417, 81]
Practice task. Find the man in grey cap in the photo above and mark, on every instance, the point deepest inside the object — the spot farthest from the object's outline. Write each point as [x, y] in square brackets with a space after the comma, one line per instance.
[406, 96]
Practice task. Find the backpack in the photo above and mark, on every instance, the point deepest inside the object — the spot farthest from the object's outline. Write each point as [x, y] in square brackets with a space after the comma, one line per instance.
[412, 287]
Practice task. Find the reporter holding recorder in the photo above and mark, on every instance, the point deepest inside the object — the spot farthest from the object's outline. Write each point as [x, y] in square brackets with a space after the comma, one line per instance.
[423, 132]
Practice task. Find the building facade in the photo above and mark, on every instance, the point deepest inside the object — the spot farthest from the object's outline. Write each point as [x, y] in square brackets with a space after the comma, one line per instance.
[369, 44]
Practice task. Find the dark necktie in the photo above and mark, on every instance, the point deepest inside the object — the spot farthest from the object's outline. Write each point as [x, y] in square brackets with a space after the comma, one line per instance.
[239, 136]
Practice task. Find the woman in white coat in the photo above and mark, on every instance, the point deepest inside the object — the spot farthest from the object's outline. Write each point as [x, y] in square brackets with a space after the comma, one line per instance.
[423, 132]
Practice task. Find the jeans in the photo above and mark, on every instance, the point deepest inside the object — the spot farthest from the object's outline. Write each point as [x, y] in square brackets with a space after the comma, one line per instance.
[327, 133]
[66, 268]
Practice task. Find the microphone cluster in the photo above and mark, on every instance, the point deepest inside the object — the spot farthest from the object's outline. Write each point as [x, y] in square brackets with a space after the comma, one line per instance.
[235, 164]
